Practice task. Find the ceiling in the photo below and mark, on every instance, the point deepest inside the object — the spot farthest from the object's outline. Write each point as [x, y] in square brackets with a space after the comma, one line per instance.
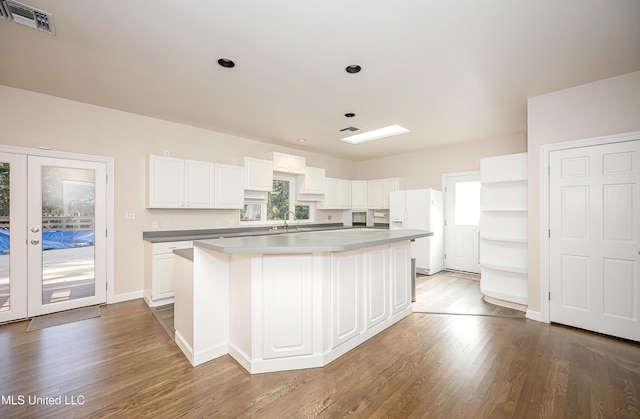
[448, 70]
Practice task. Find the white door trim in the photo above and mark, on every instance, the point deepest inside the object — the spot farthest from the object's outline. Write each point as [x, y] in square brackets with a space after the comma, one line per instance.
[109, 163]
[545, 150]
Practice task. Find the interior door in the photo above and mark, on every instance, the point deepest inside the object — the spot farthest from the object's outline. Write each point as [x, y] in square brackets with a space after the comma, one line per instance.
[66, 234]
[595, 238]
[13, 236]
[462, 221]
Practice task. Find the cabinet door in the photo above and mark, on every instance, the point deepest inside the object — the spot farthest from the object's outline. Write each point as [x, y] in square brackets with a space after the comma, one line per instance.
[287, 306]
[258, 174]
[400, 264]
[281, 162]
[345, 194]
[331, 194]
[229, 190]
[388, 186]
[199, 184]
[297, 164]
[165, 182]
[376, 285]
[374, 194]
[359, 195]
[163, 266]
[346, 296]
[313, 182]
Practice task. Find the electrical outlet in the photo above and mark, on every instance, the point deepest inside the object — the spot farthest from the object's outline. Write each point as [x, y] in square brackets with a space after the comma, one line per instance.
[166, 153]
[154, 224]
[165, 223]
[130, 215]
[232, 223]
[217, 223]
[329, 217]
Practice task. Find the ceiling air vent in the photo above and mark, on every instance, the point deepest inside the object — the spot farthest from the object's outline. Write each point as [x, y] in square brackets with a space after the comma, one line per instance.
[27, 16]
[349, 129]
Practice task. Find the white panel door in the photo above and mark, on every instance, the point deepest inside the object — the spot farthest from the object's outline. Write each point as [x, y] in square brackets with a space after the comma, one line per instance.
[595, 238]
[462, 222]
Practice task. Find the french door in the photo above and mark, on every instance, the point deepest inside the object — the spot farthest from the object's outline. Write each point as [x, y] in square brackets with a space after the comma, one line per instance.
[462, 221]
[53, 256]
[594, 241]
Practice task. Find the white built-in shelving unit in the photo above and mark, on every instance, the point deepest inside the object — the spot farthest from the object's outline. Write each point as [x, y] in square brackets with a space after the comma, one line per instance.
[503, 229]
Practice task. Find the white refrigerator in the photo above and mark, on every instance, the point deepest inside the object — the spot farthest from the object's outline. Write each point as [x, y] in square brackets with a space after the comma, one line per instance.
[421, 209]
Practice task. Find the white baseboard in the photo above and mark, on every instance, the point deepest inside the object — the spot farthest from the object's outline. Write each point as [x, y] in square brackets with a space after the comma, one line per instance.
[184, 347]
[119, 298]
[534, 315]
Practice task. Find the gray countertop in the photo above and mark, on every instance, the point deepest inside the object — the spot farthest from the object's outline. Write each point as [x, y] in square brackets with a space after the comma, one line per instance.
[311, 241]
[186, 235]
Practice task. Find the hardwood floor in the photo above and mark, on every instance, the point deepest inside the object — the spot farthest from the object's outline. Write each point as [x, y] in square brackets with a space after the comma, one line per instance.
[124, 364]
[454, 293]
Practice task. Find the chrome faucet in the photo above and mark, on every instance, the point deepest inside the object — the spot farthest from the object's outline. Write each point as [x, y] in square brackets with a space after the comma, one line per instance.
[286, 217]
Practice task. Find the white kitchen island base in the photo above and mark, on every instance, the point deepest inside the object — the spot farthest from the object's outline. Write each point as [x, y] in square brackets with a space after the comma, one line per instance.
[285, 311]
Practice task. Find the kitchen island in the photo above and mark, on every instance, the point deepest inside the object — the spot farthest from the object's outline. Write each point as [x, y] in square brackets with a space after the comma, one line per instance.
[291, 301]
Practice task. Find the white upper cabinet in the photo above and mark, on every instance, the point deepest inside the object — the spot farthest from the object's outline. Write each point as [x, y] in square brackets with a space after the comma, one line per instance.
[345, 194]
[229, 191]
[165, 182]
[337, 194]
[379, 190]
[391, 185]
[312, 183]
[199, 184]
[359, 195]
[180, 183]
[374, 194]
[258, 174]
[288, 163]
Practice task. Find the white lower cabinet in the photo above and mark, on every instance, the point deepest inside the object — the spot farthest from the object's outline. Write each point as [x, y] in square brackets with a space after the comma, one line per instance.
[287, 306]
[376, 286]
[400, 274]
[347, 295]
[277, 312]
[160, 271]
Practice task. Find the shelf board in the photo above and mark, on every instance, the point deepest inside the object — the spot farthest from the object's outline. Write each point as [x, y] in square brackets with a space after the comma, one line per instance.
[494, 181]
[514, 269]
[505, 239]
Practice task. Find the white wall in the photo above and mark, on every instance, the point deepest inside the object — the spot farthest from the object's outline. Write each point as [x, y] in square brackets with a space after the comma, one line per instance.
[609, 106]
[424, 169]
[31, 120]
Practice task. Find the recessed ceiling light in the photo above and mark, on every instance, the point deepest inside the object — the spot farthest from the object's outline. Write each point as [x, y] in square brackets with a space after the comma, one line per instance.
[301, 140]
[226, 63]
[353, 68]
[349, 114]
[375, 134]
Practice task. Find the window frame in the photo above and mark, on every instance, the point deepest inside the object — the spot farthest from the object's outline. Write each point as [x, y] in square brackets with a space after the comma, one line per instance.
[293, 202]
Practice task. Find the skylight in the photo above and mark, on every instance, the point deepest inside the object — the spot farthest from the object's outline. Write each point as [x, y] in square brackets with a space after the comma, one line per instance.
[375, 134]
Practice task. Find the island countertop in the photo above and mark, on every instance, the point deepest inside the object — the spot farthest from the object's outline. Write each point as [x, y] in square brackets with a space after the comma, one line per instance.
[311, 241]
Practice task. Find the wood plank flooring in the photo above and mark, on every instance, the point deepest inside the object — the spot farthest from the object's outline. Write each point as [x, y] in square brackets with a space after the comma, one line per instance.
[124, 364]
[451, 292]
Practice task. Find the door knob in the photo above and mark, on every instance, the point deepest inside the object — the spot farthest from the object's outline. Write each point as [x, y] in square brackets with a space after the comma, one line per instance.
[35, 229]
[35, 241]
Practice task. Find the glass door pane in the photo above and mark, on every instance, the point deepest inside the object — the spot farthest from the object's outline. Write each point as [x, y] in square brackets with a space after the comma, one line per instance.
[13, 252]
[68, 221]
[5, 242]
